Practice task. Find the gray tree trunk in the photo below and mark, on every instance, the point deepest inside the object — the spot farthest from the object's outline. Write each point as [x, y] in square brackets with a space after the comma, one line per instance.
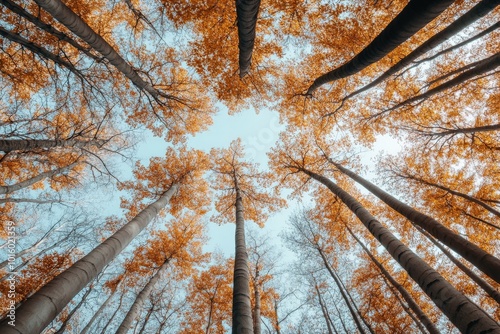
[462, 312]
[246, 12]
[136, 307]
[487, 263]
[7, 145]
[242, 309]
[41, 308]
[411, 19]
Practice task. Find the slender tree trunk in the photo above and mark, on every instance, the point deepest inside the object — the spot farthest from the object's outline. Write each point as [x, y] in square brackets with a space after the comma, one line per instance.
[47, 27]
[73, 311]
[491, 291]
[28, 200]
[341, 290]
[29, 182]
[276, 323]
[75, 24]
[463, 313]
[96, 314]
[146, 319]
[242, 309]
[37, 49]
[246, 12]
[411, 19]
[210, 311]
[141, 298]
[451, 191]
[482, 67]
[487, 263]
[256, 310]
[104, 330]
[340, 318]
[7, 145]
[422, 317]
[459, 45]
[41, 308]
[323, 310]
[478, 11]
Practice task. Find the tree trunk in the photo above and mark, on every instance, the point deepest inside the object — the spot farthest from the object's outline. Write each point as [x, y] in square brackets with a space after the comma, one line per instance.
[99, 311]
[47, 27]
[75, 24]
[7, 145]
[105, 328]
[136, 307]
[246, 12]
[463, 313]
[478, 11]
[341, 290]
[256, 310]
[487, 263]
[483, 67]
[41, 308]
[481, 282]
[323, 310]
[242, 309]
[26, 183]
[37, 49]
[146, 319]
[422, 317]
[411, 19]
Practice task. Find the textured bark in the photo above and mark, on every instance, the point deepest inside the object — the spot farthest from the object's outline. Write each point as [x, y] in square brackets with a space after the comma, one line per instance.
[76, 25]
[41, 308]
[484, 261]
[256, 310]
[29, 182]
[481, 282]
[422, 317]
[411, 19]
[242, 309]
[96, 314]
[478, 11]
[7, 145]
[462, 312]
[246, 12]
[342, 292]
[39, 51]
[141, 298]
[484, 66]
[47, 27]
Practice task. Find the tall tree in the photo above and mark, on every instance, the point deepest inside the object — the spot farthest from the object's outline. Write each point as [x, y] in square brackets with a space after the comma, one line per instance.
[242, 187]
[246, 13]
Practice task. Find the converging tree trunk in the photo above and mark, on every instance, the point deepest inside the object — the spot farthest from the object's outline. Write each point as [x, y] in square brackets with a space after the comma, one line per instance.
[136, 307]
[242, 309]
[256, 309]
[462, 312]
[422, 317]
[484, 261]
[246, 12]
[87, 327]
[7, 145]
[41, 308]
[411, 19]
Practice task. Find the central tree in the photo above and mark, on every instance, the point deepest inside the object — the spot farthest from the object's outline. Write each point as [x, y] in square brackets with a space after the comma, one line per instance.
[241, 186]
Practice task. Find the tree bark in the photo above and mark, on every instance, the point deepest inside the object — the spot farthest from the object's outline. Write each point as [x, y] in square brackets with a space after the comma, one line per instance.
[463, 313]
[323, 310]
[422, 317]
[257, 328]
[411, 19]
[41, 308]
[47, 27]
[246, 13]
[242, 309]
[8, 145]
[75, 24]
[26, 183]
[478, 11]
[135, 309]
[484, 261]
[37, 49]
[491, 291]
[482, 67]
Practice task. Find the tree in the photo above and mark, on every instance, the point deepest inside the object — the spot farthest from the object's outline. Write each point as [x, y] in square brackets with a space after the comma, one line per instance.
[238, 184]
[183, 169]
[246, 13]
